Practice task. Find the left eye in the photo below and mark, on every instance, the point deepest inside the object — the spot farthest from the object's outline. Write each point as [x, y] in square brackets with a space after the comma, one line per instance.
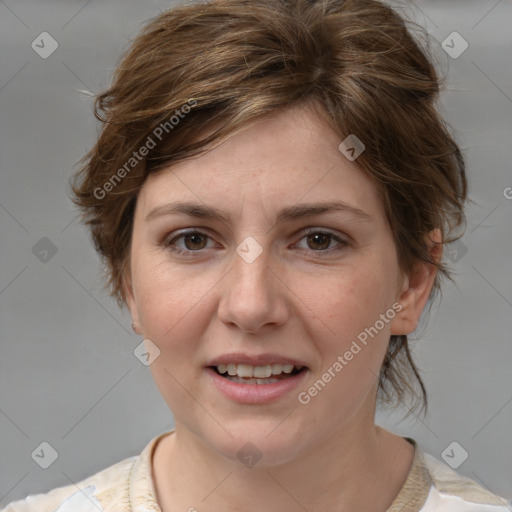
[195, 241]
[322, 239]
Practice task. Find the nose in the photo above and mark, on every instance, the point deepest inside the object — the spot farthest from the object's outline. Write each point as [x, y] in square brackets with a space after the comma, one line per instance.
[254, 295]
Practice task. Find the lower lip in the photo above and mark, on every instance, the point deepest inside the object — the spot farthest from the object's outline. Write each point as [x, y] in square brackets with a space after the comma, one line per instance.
[255, 393]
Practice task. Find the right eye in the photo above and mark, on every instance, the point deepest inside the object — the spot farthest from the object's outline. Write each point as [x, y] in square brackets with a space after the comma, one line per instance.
[193, 241]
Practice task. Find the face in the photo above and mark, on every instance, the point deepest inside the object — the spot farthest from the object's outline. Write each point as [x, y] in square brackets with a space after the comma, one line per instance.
[311, 295]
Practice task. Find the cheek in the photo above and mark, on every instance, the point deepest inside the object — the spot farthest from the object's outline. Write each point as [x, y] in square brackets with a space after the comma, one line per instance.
[171, 306]
[357, 299]
[352, 345]
[355, 340]
[166, 301]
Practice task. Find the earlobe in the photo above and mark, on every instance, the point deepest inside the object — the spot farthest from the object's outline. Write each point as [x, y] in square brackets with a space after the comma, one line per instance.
[416, 289]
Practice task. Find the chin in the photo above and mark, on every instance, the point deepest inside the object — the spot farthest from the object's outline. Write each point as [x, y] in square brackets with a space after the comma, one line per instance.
[260, 444]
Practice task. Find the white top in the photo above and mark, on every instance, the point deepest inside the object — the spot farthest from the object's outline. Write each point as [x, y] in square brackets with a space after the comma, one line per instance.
[127, 486]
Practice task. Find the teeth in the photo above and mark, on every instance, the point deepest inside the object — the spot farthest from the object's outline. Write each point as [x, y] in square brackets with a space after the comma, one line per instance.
[241, 380]
[277, 369]
[262, 372]
[258, 372]
[244, 370]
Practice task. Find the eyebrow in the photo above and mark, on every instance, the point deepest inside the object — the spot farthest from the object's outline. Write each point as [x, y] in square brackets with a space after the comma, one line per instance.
[286, 214]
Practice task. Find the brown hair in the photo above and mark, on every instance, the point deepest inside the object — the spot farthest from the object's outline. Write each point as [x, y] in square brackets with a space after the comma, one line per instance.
[225, 64]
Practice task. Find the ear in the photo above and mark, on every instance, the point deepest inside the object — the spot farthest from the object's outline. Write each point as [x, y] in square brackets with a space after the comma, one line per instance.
[130, 299]
[416, 288]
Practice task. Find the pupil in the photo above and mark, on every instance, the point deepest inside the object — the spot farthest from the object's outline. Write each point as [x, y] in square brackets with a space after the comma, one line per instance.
[316, 236]
[193, 237]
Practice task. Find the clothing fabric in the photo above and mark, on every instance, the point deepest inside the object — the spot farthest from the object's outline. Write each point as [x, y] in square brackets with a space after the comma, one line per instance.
[127, 486]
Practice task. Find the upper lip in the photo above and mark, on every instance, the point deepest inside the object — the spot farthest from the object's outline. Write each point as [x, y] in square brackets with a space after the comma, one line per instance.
[253, 360]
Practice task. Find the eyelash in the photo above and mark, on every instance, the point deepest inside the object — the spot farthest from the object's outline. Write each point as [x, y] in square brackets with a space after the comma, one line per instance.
[170, 243]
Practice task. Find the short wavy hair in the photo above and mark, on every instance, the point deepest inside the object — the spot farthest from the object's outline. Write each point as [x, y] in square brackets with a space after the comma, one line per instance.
[199, 72]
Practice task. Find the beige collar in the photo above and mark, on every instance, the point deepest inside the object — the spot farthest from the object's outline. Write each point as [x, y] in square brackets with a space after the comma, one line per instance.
[142, 493]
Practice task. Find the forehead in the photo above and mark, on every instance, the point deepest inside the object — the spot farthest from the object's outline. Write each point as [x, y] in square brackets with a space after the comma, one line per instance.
[289, 158]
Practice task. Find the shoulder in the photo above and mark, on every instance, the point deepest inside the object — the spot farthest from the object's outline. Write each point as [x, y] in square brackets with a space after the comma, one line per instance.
[122, 487]
[453, 492]
[106, 490]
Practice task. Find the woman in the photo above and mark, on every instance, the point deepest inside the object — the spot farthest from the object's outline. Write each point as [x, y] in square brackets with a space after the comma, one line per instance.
[271, 193]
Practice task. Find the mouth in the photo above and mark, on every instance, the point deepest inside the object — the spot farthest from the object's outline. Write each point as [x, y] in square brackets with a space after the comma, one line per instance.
[257, 375]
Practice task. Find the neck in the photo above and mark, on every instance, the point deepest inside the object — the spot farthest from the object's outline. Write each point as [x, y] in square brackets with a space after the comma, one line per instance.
[356, 469]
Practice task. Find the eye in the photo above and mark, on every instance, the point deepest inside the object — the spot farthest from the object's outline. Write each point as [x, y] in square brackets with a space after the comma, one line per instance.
[320, 240]
[193, 240]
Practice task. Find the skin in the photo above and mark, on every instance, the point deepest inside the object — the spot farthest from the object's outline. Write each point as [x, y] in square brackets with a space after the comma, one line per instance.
[327, 454]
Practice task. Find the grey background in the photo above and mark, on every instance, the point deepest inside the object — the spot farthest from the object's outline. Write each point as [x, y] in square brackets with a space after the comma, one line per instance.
[68, 373]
